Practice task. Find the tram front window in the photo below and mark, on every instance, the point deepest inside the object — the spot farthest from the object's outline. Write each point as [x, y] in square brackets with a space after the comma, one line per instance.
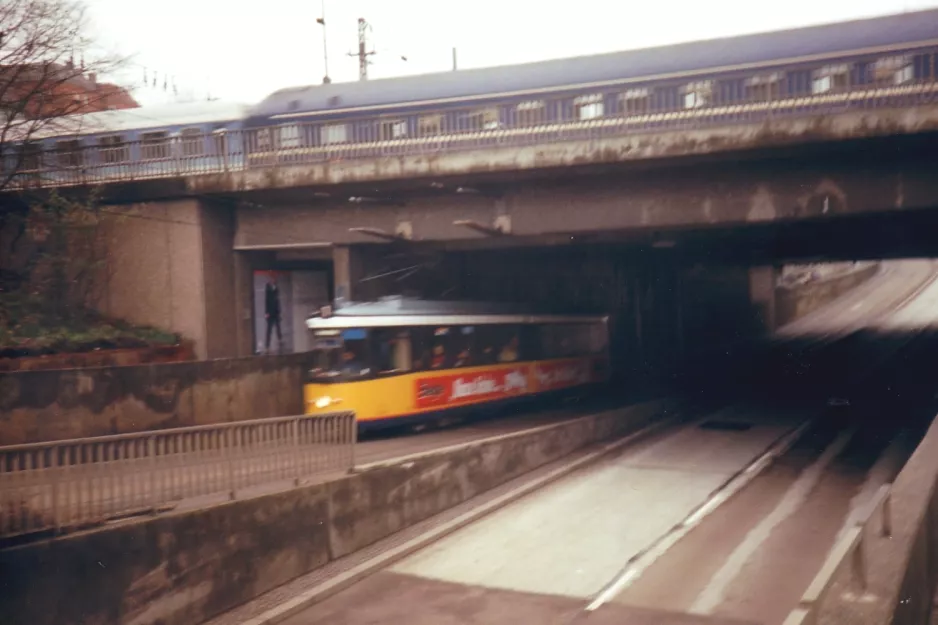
[340, 356]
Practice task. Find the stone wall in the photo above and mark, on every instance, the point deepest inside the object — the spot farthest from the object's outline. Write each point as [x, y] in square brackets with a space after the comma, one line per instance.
[184, 568]
[794, 302]
[73, 403]
[901, 567]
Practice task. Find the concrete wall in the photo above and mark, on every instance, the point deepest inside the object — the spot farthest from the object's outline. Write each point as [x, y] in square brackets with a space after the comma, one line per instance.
[901, 568]
[797, 301]
[750, 193]
[182, 569]
[54, 405]
[171, 265]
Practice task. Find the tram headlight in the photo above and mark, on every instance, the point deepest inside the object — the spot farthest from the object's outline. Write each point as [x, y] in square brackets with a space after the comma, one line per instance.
[323, 402]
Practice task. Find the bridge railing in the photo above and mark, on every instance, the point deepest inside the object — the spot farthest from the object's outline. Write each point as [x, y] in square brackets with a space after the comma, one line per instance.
[556, 119]
[80, 482]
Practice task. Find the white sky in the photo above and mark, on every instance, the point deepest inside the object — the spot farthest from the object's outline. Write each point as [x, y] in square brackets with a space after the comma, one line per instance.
[242, 50]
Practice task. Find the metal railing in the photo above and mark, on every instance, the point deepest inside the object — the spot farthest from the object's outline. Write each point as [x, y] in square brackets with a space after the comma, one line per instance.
[850, 551]
[454, 129]
[80, 482]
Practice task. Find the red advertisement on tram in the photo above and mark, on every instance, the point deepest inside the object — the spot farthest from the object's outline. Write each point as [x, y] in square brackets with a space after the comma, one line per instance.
[471, 387]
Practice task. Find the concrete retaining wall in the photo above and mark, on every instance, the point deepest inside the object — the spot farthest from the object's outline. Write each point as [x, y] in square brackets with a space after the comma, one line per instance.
[73, 403]
[902, 568]
[183, 568]
[795, 302]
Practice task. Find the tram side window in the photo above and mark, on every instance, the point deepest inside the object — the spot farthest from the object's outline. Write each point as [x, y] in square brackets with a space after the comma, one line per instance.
[499, 343]
[571, 340]
[463, 347]
[341, 354]
[393, 349]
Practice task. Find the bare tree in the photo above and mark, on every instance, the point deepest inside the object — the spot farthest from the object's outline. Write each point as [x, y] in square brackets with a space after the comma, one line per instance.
[46, 63]
[52, 251]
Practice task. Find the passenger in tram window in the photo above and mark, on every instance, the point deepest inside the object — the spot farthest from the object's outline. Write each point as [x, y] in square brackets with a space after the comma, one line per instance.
[509, 353]
[462, 360]
[439, 357]
[350, 363]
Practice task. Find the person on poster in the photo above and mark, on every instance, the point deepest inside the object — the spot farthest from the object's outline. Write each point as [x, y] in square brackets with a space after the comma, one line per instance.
[272, 311]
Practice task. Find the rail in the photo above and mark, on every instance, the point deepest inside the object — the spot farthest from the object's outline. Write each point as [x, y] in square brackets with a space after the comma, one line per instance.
[850, 551]
[80, 482]
[305, 143]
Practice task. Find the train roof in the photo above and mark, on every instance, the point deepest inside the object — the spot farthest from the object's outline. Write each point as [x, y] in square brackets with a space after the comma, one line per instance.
[396, 311]
[856, 36]
[145, 118]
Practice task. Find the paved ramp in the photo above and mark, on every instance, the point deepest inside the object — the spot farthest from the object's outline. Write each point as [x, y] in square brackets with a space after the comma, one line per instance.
[573, 537]
[399, 599]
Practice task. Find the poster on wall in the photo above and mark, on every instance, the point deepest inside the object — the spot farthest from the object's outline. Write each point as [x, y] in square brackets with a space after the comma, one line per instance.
[273, 312]
[282, 301]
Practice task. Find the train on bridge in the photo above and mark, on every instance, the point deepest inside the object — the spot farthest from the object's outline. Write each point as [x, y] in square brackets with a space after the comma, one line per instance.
[883, 61]
[405, 362]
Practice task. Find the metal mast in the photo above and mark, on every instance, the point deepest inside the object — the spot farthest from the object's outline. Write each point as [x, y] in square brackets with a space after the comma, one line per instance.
[363, 52]
[325, 50]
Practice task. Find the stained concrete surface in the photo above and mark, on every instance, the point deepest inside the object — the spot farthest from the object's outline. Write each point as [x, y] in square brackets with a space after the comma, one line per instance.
[394, 598]
[574, 536]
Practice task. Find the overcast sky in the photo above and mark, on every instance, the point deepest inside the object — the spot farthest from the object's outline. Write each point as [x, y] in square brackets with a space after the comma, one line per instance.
[242, 51]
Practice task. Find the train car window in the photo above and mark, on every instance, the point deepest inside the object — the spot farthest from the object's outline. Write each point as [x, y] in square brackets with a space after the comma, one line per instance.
[589, 106]
[69, 153]
[31, 156]
[422, 347]
[289, 136]
[598, 338]
[635, 102]
[698, 94]
[193, 142]
[483, 119]
[894, 70]
[339, 355]
[430, 125]
[530, 113]
[462, 344]
[763, 87]
[530, 342]
[441, 353]
[154, 145]
[571, 340]
[830, 77]
[113, 149]
[262, 139]
[333, 133]
[393, 350]
[393, 129]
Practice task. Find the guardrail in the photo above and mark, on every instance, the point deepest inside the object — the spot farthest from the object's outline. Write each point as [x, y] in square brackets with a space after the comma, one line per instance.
[849, 551]
[305, 143]
[80, 482]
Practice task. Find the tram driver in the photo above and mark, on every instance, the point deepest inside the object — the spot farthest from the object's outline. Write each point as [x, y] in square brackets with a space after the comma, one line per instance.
[350, 363]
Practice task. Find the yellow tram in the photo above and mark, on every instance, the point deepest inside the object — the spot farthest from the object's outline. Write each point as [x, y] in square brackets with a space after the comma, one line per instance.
[400, 361]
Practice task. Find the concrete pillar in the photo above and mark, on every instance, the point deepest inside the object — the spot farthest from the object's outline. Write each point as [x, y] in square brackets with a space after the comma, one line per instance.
[244, 302]
[218, 276]
[346, 269]
[762, 281]
[171, 265]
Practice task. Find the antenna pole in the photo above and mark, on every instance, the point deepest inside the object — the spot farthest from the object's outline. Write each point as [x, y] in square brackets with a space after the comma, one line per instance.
[325, 50]
[363, 53]
[454, 58]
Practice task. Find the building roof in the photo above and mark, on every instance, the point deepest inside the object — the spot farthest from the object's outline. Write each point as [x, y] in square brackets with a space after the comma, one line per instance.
[905, 29]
